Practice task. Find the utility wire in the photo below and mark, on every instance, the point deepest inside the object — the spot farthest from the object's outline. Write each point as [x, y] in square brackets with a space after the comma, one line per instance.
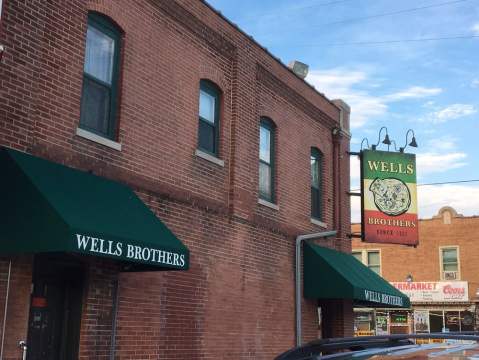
[254, 17]
[398, 12]
[439, 183]
[386, 42]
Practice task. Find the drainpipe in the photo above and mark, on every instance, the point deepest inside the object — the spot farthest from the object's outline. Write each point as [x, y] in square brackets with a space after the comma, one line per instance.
[6, 303]
[299, 240]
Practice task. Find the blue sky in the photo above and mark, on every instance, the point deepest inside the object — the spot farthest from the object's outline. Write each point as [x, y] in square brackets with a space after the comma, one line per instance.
[429, 86]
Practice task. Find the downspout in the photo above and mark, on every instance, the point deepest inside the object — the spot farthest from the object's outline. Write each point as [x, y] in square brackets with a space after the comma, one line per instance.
[114, 310]
[6, 308]
[299, 240]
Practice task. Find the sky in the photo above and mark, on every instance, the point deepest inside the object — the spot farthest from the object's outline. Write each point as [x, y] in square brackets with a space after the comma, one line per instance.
[395, 64]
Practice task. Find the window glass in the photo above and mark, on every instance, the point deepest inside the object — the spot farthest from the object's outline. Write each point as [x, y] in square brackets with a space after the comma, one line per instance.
[208, 127]
[265, 144]
[373, 257]
[99, 101]
[315, 160]
[96, 98]
[358, 255]
[314, 171]
[207, 107]
[265, 181]
[266, 159]
[99, 55]
[206, 139]
[449, 259]
[374, 261]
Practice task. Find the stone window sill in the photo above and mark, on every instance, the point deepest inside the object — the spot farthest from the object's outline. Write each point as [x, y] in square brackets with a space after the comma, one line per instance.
[319, 223]
[268, 204]
[98, 139]
[209, 157]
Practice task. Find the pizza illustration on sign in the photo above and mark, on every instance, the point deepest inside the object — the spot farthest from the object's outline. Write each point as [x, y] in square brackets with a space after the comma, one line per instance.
[391, 196]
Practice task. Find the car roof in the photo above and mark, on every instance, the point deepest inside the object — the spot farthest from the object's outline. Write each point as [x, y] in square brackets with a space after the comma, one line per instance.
[456, 346]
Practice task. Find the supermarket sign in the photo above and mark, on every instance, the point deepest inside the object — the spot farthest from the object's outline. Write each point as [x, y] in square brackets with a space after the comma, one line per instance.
[430, 291]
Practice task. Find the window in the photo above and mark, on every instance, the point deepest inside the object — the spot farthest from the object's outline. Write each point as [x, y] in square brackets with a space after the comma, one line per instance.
[316, 184]
[209, 110]
[358, 255]
[370, 258]
[449, 263]
[266, 160]
[100, 77]
[374, 262]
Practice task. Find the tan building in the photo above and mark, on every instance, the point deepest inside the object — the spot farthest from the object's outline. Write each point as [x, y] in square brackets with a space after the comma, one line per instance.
[440, 275]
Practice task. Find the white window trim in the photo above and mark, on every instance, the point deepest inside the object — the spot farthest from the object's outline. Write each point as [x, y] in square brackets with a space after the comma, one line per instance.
[364, 257]
[268, 204]
[98, 139]
[209, 157]
[441, 268]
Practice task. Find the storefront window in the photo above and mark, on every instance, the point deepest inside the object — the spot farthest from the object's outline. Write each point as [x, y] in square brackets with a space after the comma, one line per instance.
[364, 323]
[435, 321]
[452, 321]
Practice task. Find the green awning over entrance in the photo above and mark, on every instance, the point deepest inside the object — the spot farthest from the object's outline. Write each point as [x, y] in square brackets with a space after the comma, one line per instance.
[330, 274]
[48, 207]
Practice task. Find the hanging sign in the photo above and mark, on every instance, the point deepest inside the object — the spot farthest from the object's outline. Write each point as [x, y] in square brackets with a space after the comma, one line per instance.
[388, 197]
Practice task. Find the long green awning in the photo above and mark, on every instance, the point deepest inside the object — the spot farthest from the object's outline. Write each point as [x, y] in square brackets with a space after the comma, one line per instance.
[48, 207]
[330, 274]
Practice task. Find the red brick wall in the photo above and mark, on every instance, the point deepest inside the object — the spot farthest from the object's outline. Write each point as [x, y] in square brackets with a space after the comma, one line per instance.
[423, 262]
[238, 297]
[18, 303]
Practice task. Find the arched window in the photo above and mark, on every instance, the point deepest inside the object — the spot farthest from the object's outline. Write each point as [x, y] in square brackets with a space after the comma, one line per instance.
[99, 102]
[316, 184]
[209, 117]
[266, 160]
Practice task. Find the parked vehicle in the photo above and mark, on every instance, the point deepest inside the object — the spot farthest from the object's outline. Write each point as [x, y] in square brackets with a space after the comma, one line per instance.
[453, 346]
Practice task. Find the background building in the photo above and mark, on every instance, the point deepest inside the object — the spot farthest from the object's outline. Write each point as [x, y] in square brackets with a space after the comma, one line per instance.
[440, 275]
[234, 152]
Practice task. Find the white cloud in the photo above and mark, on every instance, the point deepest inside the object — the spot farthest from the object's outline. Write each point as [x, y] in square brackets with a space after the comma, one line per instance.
[443, 143]
[413, 92]
[434, 162]
[450, 112]
[475, 29]
[340, 83]
[475, 83]
[463, 198]
[350, 85]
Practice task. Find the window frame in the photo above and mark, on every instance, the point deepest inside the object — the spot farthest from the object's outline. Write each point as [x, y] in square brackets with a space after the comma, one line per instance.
[213, 90]
[441, 261]
[365, 259]
[268, 124]
[319, 159]
[106, 26]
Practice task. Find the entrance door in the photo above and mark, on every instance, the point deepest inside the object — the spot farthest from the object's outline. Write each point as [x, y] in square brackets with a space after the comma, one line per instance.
[55, 310]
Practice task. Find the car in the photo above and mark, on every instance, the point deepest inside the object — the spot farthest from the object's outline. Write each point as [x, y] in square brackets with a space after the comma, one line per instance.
[453, 346]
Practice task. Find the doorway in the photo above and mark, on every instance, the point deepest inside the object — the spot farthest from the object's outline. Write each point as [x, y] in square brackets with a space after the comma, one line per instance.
[55, 308]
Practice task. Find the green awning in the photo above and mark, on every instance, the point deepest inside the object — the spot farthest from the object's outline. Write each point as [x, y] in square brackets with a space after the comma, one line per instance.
[330, 274]
[48, 207]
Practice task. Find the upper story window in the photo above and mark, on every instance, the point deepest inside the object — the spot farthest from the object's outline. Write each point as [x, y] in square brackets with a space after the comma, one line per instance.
[449, 263]
[209, 114]
[358, 255]
[99, 103]
[266, 160]
[316, 184]
[370, 258]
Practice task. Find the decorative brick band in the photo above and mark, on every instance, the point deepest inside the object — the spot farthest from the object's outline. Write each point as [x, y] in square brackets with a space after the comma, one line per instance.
[292, 96]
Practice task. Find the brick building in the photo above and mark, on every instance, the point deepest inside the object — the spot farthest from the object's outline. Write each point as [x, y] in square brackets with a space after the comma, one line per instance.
[440, 275]
[106, 103]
